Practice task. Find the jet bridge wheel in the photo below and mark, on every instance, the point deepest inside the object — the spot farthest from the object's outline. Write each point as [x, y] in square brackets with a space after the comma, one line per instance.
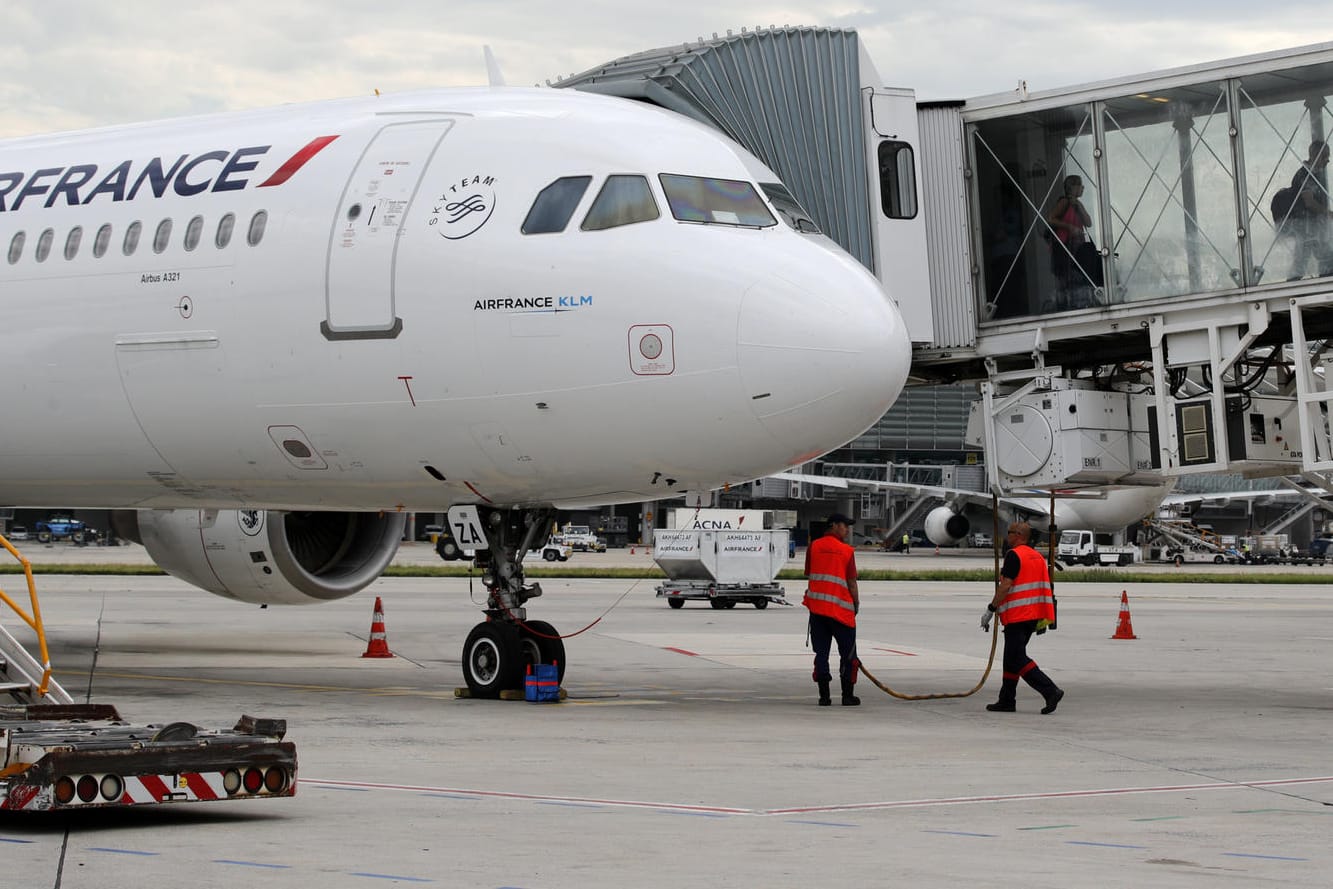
[546, 648]
[492, 659]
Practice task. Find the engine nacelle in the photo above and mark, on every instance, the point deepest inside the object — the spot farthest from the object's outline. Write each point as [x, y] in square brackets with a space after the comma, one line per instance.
[267, 558]
[945, 527]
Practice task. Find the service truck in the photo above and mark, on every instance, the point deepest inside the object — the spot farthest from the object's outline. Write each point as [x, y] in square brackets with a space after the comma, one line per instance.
[580, 539]
[1086, 548]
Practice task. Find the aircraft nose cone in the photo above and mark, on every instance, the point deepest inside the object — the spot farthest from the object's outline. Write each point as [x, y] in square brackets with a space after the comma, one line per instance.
[821, 361]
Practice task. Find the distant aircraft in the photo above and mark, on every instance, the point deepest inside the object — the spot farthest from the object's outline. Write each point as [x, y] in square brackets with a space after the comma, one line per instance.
[267, 336]
[1107, 510]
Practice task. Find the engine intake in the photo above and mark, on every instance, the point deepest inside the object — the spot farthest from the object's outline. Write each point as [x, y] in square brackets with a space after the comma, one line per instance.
[945, 527]
[266, 557]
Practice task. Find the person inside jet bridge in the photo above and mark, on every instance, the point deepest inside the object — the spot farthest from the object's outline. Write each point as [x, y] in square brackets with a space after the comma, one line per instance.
[833, 600]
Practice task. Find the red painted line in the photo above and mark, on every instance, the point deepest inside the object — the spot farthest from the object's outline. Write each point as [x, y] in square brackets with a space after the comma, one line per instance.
[848, 807]
[1062, 794]
[297, 161]
[495, 794]
[679, 651]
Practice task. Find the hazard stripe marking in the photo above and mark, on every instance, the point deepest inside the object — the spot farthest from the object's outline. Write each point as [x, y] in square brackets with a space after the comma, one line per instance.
[297, 161]
[152, 784]
[199, 786]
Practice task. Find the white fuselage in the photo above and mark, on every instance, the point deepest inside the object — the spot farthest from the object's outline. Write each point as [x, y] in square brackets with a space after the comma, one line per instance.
[393, 339]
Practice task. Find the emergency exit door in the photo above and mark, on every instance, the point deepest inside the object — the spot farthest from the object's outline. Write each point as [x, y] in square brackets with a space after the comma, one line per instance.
[363, 244]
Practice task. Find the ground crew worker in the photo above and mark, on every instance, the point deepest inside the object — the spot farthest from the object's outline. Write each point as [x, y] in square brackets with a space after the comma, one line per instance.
[1026, 604]
[833, 600]
[907, 542]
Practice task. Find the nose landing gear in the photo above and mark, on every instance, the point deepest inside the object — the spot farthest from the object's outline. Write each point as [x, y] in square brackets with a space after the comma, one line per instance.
[499, 650]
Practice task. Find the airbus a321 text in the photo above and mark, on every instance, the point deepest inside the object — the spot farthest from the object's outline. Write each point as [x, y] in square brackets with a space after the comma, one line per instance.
[266, 336]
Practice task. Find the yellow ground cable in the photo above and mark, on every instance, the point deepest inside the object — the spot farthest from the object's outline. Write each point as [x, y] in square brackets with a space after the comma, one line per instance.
[994, 635]
[990, 661]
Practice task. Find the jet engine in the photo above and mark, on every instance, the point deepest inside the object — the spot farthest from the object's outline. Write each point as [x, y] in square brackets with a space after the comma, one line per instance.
[264, 557]
[945, 527]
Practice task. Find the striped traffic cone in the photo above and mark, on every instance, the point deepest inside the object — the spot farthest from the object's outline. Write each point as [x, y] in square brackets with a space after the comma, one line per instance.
[378, 646]
[1124, 629]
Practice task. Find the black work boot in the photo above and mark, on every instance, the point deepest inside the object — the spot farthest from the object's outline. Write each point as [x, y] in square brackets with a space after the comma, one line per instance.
[849, 699]
[1008, 696]
[824, 696]
[1044, 686]
[1052, 701]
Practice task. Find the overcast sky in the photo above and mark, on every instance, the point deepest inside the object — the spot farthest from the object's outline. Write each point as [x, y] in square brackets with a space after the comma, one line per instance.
[68, 65]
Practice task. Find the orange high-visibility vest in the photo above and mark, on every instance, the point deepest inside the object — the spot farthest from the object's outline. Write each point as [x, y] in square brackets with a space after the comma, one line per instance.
[1030, 598]
[830, 560]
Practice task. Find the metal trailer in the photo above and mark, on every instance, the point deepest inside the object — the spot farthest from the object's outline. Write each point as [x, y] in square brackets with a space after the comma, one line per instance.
[59, 757]
[56, 755]
[723, 567]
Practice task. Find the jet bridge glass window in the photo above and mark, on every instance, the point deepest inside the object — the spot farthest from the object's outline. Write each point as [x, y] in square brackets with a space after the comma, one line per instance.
[897, 180]
[16, 247]
[789, 209]
[715, 201]
[623, 200]
[72, 242]
[44, 241]
[1170, 183]
[555, 205]
[131, 242]
[1026, 229]
[102, 240]
[162, 236]
[1284, 117]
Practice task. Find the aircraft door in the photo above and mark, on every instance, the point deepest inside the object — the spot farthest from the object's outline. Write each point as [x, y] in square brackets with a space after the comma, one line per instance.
[363, 244]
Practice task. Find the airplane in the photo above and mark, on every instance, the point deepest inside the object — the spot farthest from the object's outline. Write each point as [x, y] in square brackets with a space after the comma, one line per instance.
[264, 337]
[1101, 510]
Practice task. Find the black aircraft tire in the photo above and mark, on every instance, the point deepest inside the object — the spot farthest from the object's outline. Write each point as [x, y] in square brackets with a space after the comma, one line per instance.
[492, 660]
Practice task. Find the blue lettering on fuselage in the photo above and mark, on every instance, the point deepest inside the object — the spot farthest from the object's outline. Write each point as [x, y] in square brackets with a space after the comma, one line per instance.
[573, 302]
[185, 175]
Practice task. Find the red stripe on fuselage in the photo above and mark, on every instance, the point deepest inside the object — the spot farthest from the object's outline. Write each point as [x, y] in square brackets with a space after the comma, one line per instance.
[297, 161]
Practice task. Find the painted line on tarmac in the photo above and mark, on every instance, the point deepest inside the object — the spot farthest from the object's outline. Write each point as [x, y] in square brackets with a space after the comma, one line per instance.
[328, 784]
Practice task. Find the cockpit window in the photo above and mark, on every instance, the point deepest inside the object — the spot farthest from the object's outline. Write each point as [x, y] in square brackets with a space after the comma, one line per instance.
[788, 208]
[623, 200]
[715, 201]
[555, 204]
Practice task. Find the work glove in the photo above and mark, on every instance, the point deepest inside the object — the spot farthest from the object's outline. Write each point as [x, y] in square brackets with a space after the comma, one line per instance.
[986, 617]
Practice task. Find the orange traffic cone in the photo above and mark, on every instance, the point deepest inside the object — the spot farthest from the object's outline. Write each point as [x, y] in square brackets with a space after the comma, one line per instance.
[1124, 629]
[378, 646]
[631, 549]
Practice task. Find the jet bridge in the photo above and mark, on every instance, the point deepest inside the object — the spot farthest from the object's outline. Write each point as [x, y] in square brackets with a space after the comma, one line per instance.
[1192, 286]
[1188, 289]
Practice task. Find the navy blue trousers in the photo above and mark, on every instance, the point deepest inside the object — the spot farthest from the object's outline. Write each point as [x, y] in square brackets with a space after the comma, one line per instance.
[823, 632]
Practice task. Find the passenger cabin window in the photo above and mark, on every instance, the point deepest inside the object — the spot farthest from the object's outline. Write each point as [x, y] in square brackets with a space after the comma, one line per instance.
[162, 235]
[623, 200]
[555, 204]
[72, 241]
[257, 224]
[102, 241]
[226, 225]
[193, 231]
[715, 201]
[789, 209]
[132, 238]
[897, 180]
[16, 247]
[44, 242]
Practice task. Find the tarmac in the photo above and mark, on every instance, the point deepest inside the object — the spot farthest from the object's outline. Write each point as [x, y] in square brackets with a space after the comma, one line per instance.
[690, 752]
